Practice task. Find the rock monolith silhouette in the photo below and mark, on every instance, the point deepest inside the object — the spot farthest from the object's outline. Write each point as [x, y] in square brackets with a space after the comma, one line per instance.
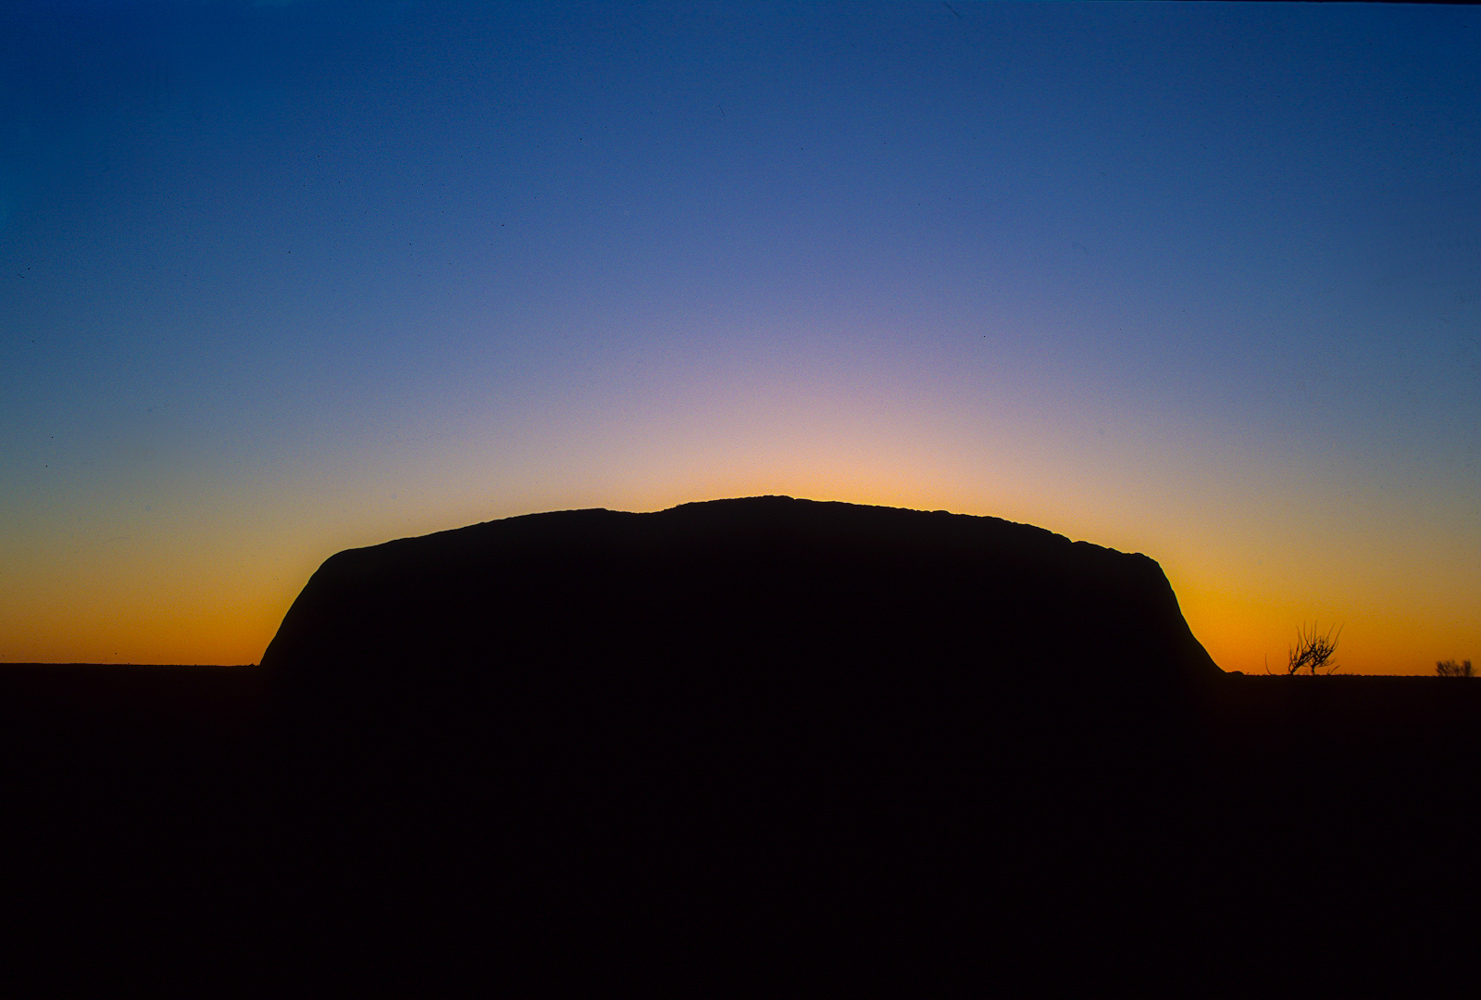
[761, 582]
[733, 687]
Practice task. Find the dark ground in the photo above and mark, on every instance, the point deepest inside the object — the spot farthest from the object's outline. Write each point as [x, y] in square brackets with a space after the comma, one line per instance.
[816, 776]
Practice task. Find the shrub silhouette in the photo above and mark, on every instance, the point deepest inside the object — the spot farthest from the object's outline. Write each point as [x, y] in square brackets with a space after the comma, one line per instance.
[1449, 668]
[1313, 651]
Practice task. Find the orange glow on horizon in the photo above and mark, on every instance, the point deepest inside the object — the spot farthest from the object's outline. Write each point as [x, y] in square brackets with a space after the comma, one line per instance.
[189, 616]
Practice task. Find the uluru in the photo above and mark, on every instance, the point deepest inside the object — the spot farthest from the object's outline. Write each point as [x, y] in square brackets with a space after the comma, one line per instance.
[729, 686]
[760, 582]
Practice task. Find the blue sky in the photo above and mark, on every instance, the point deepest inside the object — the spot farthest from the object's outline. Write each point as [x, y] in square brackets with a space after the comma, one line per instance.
[1197, 280]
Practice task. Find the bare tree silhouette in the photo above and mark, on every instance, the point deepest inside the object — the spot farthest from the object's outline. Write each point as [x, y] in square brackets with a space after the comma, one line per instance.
[1313, 651]
[1449, 668]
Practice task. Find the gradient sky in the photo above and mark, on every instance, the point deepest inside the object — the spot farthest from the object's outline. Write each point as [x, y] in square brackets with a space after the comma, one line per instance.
[1198, 281]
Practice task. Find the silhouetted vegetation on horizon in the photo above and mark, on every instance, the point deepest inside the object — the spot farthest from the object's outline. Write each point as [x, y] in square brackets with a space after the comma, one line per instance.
[1313, 651]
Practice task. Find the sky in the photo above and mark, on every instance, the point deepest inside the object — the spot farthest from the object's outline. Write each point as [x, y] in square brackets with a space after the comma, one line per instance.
[1200, 281]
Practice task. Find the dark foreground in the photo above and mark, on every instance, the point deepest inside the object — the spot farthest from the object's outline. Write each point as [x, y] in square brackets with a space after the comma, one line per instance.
[787, 777]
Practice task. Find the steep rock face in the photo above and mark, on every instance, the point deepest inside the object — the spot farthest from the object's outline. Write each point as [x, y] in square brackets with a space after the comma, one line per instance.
[760, 582]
